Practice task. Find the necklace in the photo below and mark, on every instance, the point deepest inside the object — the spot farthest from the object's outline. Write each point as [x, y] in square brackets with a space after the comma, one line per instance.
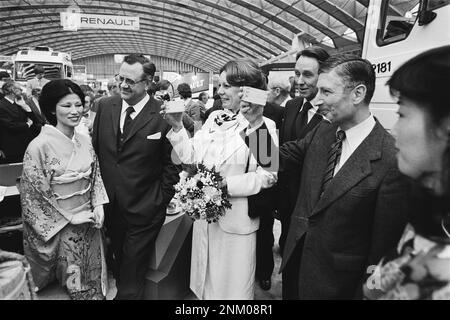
[444, 229]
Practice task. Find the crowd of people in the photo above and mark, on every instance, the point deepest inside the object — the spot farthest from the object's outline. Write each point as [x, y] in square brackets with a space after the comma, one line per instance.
[363, 212]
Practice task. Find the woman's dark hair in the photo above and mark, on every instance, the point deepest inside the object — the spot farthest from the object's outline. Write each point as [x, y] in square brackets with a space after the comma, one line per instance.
[53, 92]
[184, 90]
[425, 79]
[244, 72]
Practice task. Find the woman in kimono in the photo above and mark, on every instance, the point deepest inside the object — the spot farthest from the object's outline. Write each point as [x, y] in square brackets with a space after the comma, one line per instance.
[419, 267]
[62, 196]
[224, 253]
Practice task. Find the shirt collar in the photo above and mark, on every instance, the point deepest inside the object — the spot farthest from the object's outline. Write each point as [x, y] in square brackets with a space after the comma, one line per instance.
[138, 106]
[12, 102]
[313, 103]
[355, 135]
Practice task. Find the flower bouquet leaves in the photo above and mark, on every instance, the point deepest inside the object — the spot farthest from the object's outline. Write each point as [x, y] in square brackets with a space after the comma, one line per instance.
[201, 195]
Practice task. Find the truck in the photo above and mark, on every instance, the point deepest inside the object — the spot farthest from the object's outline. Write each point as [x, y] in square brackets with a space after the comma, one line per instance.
[56, 64]
[396, 31]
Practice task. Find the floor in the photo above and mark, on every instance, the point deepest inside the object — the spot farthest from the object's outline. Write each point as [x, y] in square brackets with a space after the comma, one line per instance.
[55, 292]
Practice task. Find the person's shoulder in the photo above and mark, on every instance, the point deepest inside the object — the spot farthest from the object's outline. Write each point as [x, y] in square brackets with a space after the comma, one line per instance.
[294, 102]
[269, 123]
[38, 144]
[83, 138]
[108, 101]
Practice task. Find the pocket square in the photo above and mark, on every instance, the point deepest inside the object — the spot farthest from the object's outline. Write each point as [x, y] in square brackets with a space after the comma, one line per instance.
[154, 136]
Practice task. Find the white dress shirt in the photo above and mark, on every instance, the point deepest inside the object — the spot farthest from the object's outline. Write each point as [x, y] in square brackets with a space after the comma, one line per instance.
[137, 109]
[36, 102]
[353, 138]
[312, 111]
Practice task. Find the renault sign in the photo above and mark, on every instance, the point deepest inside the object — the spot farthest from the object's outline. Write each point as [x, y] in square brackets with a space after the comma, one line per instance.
[72, 21]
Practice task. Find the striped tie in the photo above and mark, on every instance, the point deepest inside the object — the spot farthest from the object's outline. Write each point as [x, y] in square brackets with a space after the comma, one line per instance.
[333, 159]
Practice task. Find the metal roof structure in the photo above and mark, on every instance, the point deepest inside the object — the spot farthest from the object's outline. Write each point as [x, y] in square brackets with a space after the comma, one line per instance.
[202, 33]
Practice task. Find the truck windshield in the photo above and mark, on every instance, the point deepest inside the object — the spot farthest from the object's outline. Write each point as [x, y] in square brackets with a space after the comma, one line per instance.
[25, 70]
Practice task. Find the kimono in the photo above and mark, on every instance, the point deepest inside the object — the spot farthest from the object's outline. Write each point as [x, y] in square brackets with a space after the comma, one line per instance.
[419, 269]
[60, 179]
[223, 258]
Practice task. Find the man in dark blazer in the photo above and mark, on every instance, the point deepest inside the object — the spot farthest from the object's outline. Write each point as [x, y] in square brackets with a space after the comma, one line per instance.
[18, 124]
[352, 203]
[33, 103]
[263, 203]
[300, 117]
[129, 136]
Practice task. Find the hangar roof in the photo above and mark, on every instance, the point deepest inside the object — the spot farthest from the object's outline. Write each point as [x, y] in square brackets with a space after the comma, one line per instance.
[202, 33]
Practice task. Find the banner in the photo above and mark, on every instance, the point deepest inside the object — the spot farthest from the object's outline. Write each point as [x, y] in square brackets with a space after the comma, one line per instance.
[72, 21]
[197, 81]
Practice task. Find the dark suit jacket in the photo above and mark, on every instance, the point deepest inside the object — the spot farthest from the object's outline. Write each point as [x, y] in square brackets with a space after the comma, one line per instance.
[274, 112]
[41, 120]
[15, 135]
[140, 175]
[288, 184]
[359, 218]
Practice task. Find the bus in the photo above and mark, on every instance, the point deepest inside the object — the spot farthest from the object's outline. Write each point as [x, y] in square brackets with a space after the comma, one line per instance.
[56, 64]
[395, 32]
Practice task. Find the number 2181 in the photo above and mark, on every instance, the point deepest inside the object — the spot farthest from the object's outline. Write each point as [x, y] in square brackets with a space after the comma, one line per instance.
[382, 67]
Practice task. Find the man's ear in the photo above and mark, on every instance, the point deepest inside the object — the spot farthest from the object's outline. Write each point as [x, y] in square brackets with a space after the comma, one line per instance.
[359, 93]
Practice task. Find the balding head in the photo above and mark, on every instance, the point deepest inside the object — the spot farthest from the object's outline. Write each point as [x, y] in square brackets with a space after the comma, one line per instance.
[279, 87]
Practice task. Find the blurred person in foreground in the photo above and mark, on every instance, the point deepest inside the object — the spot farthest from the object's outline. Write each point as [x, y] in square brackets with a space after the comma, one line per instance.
[62, 196]
[419, 266]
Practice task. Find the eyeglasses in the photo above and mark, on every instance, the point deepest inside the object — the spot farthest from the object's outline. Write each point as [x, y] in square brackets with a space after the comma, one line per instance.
[128, 81]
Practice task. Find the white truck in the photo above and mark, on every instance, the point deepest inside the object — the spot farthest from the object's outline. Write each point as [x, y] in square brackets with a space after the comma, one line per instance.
[397, 30]
[57, 65]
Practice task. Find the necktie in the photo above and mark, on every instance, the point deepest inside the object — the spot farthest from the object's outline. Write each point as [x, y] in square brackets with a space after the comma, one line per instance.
[333, 159]
[302, 119]
[128, 121]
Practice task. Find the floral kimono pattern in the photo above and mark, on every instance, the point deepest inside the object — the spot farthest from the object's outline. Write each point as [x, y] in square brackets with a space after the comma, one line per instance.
[60, 179]
[419, 269]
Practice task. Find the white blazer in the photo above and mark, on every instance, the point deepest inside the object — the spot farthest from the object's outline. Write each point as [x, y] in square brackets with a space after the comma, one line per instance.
[227, 151]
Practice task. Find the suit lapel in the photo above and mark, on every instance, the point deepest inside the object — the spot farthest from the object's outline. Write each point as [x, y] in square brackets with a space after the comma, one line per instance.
[146, 114]
[291, 116]
[232, 144]
[320, 162]
[116, 109]
[355, 169]
[311, 124]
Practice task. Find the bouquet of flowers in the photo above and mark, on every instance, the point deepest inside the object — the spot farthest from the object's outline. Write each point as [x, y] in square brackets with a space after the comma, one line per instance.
[201, 194]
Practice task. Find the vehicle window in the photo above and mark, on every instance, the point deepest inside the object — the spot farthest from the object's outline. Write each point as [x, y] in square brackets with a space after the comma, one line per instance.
[25, 70]
[397, 21]
[69, 72]
[434, 4]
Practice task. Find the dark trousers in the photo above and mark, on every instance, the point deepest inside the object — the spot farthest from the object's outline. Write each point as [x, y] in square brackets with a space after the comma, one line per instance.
[290, 274]
[131, 246]
[285, 222]
[264, 244]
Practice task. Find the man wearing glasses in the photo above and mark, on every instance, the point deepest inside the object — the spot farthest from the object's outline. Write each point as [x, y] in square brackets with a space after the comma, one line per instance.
[129, 137]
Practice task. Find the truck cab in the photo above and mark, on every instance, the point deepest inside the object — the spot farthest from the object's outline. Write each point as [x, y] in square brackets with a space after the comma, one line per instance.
[57, 65]
[397, 30]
